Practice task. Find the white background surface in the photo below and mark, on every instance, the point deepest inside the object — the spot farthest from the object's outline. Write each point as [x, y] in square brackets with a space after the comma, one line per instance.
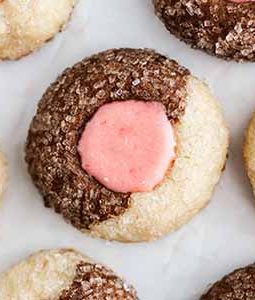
[180, 266]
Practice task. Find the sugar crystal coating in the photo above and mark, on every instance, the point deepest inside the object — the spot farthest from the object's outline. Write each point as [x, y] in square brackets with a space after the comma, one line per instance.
[239, 285]
[220, 27]
[96, 282]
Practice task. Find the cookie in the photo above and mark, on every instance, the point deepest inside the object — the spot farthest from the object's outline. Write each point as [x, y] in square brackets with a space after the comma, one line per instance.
[3, 172]
[26, 25]
[224, 28]
[95, 116]
[62, 274]
[238, 285]
[249, 149]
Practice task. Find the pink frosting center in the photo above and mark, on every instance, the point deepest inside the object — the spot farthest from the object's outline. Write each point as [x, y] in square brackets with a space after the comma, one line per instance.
[128, 146]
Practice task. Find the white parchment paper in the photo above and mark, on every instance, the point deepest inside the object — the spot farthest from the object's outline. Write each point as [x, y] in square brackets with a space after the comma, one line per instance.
[180, 266]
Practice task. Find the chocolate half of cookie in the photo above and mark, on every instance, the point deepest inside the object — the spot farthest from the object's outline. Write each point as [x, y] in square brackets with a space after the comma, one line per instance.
[223, 28]
[94, 281]
[70, 103]
[238, 285]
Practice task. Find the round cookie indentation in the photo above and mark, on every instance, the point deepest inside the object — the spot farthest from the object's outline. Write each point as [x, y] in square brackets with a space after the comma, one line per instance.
[26, 25]
[128, 146]
[223, 28]
[239, 284]
[62, 274]
[117, 75]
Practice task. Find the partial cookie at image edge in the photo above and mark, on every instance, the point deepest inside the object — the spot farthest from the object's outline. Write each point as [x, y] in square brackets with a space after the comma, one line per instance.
[224, 28]
[62, 274]
[21, 33]
[239, 284]
[249, 151]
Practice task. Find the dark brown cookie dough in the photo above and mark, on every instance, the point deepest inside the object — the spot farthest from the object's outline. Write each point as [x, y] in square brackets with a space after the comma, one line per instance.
[66, 107]
[239, 285]
[220, 27]
[94, 281]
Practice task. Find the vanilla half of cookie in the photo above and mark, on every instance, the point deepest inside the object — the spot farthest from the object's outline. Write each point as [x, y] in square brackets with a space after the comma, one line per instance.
[127, 145]
[25, 25]
[62, 274]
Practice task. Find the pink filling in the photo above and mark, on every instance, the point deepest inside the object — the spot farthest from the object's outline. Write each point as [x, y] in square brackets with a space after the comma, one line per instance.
[128, 145]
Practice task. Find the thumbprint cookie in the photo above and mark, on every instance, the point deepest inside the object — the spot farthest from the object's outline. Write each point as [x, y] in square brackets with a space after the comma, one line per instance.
[127, 145]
